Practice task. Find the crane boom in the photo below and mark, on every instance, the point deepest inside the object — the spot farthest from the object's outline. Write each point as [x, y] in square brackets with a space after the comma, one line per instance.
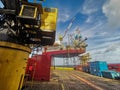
[69, 26]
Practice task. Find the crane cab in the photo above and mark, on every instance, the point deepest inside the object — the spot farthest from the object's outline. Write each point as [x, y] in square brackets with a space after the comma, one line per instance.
[48, 24]
[42, 21]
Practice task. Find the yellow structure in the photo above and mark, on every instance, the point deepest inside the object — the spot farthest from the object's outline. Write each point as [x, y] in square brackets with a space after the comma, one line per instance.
[33, 26]
[13, 60]
[61, 68]
[32, 10]
[60, 38]
[49, 19]
[85, 58]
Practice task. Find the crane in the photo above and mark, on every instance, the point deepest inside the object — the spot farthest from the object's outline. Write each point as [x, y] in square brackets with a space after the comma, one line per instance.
[24, 22]
[61, 37]
[23, 25]
[77, 40]
[85, 58]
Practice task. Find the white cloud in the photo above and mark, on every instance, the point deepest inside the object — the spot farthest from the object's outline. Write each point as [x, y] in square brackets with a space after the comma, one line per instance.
[90, 6]
[91, 32]
[89, 19]
[108, 38]
[106, 44]
[63, 17]
[112, 11]
[103, 33]
[109, 53]
[87, 10]
[105, 47]
[66, 13]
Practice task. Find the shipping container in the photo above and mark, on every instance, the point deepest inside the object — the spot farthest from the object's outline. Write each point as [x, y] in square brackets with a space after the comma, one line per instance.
[78, 67]
[42, 72]
[38, 68]
[115, 67]
[86, 68]
[97, 66]
[30, 67]
[111, 74]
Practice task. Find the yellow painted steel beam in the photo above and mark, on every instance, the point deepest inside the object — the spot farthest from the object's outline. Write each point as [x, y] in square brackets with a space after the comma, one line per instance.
[63, 68]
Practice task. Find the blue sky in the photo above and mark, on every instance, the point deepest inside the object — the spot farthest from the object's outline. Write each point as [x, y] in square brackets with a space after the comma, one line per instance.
[98, 20]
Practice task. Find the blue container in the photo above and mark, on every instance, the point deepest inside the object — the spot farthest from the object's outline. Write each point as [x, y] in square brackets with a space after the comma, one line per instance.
[111, 74]
[86, 69]
[97, 66]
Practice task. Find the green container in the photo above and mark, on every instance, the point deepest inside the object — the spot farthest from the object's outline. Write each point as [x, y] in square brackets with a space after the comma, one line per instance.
[111, 74]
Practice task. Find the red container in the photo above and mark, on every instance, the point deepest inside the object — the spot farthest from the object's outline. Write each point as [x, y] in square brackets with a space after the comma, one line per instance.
[115, 67]
[38, 68]
[30, 67]
[78, 67]
[42, 70]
